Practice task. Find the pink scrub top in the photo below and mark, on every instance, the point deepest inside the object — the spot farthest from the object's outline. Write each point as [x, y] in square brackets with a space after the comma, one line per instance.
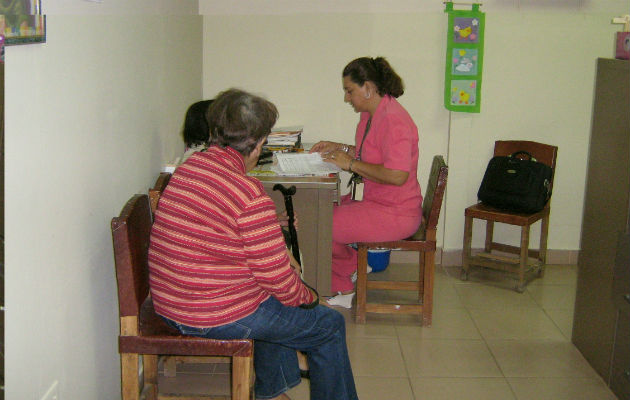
[393, 142]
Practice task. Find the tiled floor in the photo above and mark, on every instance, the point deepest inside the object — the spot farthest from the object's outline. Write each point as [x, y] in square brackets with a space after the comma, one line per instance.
[487, 342]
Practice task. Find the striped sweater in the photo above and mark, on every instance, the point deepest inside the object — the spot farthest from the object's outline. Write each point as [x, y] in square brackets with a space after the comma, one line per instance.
[216, 249]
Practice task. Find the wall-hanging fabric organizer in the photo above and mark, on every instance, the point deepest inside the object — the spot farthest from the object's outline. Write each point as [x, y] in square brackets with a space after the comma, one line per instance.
[464, 59]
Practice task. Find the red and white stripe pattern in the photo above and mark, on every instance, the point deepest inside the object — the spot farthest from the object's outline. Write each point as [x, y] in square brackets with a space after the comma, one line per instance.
[217, 250]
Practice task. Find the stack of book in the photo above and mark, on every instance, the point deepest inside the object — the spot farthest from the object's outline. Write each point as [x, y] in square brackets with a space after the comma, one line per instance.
[284, 139]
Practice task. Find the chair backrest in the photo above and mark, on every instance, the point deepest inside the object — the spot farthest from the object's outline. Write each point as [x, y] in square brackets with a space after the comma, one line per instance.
[156, 191]
[543, 153]
[433, 196]
[131, 231]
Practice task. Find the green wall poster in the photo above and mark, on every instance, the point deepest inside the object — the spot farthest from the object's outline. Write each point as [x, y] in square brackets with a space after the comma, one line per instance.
[464, 59]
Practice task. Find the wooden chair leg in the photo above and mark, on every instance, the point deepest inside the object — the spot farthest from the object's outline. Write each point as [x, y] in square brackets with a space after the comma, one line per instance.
[523, 258]
[542, 250]
[130, 380]
[150, 372]
[241, 377]
[489, 236]
[361, 285]
[427, 295]
[150, 366]
[466, 253]
[421, 275]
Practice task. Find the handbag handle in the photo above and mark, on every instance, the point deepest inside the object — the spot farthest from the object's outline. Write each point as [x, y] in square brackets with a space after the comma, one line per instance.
[531, 158]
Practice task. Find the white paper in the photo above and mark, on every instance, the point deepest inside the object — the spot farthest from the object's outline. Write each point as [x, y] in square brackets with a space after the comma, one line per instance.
[296, 164]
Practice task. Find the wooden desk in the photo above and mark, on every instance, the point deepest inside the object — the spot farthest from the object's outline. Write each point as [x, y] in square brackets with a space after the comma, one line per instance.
[313, 204]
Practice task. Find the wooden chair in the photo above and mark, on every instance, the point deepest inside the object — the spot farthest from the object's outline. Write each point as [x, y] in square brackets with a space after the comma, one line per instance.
[522, 264]
[142, 332]
[423, 241]
[156, 191]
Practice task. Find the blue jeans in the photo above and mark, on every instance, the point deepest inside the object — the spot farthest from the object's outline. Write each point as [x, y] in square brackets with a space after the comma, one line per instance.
[278, 331]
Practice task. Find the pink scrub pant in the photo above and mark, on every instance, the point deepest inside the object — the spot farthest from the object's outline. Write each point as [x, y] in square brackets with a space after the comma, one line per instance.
[362, 221]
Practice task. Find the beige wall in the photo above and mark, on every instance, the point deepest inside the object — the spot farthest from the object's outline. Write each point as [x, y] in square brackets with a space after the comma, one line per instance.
[537, 83]
[91, 115]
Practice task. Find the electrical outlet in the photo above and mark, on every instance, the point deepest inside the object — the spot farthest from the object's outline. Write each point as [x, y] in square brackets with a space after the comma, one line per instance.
[52, 393]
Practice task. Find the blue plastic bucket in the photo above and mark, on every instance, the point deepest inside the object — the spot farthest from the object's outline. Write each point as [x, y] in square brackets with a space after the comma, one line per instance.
[378, 259]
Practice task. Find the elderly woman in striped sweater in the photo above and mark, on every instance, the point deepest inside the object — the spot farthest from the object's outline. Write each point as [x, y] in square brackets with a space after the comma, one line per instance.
[219, 266]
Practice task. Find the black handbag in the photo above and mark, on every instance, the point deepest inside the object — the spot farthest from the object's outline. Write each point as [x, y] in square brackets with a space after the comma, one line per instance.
[514, 184]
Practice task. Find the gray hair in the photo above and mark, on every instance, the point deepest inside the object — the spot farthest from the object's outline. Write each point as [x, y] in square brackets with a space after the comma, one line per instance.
[239, 119]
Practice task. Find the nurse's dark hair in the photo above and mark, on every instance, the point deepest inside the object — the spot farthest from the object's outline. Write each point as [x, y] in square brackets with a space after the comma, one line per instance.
[239, 119]
[378, 71]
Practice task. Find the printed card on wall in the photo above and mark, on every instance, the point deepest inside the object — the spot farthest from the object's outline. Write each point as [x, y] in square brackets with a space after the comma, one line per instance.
[463, 93]
[464, 59]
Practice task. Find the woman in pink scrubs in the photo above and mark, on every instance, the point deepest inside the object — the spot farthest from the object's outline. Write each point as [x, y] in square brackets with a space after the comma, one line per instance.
[385, 158]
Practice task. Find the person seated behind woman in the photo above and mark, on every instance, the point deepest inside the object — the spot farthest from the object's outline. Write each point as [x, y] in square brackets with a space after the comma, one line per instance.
[196, 128]
[384, 157]
[219, 266]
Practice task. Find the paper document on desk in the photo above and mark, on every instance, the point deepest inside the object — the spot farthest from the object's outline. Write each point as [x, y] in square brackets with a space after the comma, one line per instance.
[297, 164]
